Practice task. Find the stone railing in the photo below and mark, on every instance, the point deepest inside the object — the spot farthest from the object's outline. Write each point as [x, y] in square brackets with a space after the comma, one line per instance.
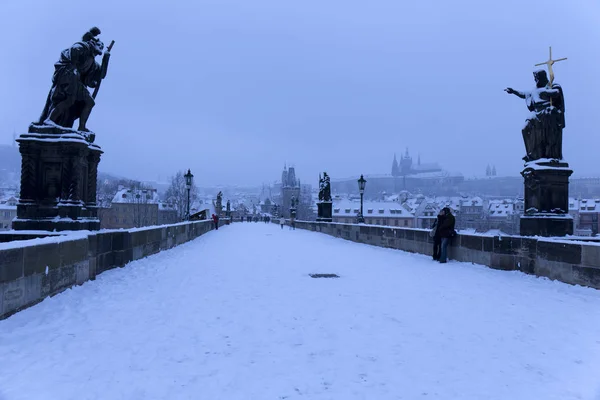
[31, 270]
[570, 261]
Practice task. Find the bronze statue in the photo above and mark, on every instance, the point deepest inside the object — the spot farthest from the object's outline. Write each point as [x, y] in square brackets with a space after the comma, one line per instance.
[76, 70]
[542, 133]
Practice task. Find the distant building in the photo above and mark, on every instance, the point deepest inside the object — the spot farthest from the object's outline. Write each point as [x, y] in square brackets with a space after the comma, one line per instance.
[504, 215]
[471, 213]
[167, 213]
[291, 187]
[136, 207]
[8, 212]
[375, 213]
[588, 215]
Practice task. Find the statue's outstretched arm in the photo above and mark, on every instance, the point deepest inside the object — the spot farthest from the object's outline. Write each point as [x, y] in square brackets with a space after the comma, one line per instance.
[515, 92]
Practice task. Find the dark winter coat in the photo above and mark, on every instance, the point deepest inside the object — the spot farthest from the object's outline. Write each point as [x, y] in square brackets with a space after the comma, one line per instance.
[436, 226]
[445, 226]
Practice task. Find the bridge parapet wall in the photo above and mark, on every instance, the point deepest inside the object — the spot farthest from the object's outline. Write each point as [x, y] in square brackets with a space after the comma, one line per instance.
[570, 261]
[31, 270]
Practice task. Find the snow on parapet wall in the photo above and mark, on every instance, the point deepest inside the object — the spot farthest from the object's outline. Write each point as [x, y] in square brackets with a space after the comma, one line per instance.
[55, 238]
[77, 257]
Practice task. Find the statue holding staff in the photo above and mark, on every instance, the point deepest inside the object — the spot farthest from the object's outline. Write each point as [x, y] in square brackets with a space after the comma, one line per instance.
[77, 70]
[542, 133]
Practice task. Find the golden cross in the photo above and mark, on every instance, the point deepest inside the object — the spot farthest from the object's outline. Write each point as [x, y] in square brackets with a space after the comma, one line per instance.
[550, 63]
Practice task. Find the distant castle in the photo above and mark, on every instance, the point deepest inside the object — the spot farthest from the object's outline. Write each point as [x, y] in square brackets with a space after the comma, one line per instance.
[406, 167]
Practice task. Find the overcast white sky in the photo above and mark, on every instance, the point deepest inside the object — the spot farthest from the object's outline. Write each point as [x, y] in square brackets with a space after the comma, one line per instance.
[234, 88]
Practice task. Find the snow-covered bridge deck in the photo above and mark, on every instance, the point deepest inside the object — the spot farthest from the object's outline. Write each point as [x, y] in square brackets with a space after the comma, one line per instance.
[234, 315]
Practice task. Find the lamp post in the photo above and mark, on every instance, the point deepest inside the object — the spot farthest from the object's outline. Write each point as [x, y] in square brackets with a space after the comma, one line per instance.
[361, 188]
[188, 184]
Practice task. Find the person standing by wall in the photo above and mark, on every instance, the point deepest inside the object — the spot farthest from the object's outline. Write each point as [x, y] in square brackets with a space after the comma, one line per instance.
[215, 221]
[446, 231]
[437, 240]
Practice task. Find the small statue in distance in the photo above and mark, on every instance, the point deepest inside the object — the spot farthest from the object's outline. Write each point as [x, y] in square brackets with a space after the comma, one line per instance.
[69, 98]
[324, 188]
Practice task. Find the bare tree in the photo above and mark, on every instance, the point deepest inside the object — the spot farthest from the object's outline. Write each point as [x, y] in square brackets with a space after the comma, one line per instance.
[178, 195]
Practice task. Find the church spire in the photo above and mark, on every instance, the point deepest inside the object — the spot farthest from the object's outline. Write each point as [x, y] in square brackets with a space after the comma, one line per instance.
[395, 168]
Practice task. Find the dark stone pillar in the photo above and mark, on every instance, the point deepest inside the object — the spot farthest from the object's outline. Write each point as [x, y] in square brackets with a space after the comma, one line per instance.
[325, 211]
[56, 192]
[546, 199]
[93, 160]
[29, 178]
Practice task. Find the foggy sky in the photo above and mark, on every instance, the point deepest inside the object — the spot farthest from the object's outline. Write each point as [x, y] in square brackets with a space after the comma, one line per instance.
[233, 89]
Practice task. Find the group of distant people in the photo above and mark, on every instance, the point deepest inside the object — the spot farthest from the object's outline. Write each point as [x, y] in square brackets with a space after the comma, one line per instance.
[442, 231]
[249, 218]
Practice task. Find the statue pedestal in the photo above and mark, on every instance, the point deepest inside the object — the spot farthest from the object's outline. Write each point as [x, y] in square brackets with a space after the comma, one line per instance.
[546, 199]
[59, 169]
[324, 212]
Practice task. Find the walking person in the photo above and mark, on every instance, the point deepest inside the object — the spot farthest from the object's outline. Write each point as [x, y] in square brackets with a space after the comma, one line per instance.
[437, 240]
[446, 231]
[282, 222]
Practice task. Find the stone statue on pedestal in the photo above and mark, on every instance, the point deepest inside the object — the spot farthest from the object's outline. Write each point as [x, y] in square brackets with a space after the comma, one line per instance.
[219, 203]
[546, 175]
[324, 188]
[59, 165]
[69, 98]
[324, 206]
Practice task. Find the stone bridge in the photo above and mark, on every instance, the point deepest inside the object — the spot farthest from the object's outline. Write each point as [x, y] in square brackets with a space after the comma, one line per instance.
[235, 314]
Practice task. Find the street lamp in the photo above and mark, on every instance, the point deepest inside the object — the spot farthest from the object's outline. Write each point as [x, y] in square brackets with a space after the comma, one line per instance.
[188, 184]
[361, 188]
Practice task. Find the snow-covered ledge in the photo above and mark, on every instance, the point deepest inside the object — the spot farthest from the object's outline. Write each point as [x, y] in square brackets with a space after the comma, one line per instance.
[31, 270]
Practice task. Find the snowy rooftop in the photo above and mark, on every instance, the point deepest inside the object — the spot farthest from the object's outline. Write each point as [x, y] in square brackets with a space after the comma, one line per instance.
[471, 202]
[144, 196]
[588, 206]
[501, 209]
[162, 206]
[370, 209]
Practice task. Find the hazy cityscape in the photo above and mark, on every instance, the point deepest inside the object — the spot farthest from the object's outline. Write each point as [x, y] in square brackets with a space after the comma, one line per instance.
[410, 194]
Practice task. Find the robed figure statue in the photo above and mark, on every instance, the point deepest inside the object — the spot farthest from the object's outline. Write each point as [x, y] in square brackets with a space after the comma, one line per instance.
[324, 188]
[76, 71]
[542, 133]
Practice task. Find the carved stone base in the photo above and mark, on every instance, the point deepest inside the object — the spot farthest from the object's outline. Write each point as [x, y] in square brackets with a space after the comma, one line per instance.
[547, 225]
[324, 212]
[546, 199]
[58, 181]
